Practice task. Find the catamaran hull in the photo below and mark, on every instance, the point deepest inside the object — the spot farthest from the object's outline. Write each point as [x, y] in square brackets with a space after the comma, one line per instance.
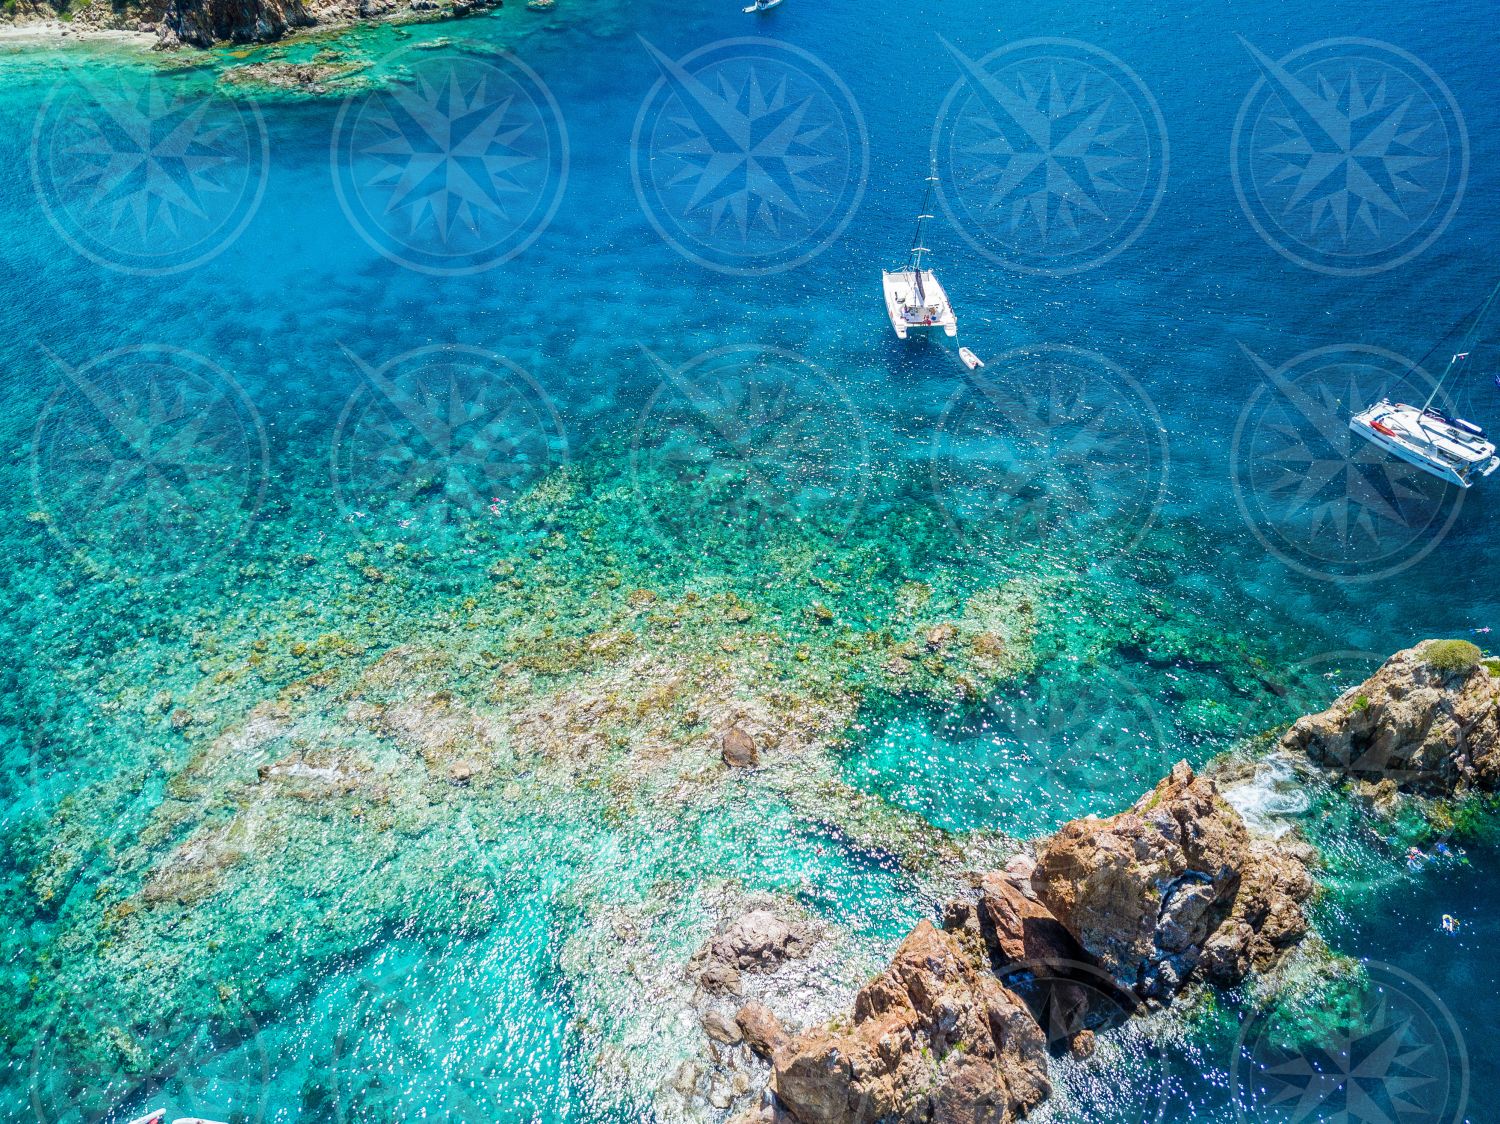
[1381, 426]
[900, 299]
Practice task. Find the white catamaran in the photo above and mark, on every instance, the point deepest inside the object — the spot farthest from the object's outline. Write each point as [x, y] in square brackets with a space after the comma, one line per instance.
[1451, 449]
[914, 300]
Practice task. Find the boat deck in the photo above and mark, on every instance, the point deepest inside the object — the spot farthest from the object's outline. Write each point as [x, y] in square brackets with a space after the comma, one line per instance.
[917, 302]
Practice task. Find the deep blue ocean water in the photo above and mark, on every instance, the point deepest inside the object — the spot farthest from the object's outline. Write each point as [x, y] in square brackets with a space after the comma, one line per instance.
[1151, 461]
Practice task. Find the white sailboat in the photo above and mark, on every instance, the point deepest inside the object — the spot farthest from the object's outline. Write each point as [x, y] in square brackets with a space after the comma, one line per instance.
[1451, 449]
[914, 299]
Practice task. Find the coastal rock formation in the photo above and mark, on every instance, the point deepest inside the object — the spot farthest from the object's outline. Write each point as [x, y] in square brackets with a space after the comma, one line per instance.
[1148, 890]
[1012, 926]
[202, 23]
[1041, 956]
[934, 1037]
[1428, 720]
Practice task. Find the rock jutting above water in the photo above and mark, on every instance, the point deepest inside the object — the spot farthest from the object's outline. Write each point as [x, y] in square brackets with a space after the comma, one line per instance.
[1175, 888]
[1148, 896]
[1427, 721]
[933, 1037]
[1175, 881]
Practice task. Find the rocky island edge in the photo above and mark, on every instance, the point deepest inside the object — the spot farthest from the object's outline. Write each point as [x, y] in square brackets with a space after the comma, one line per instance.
[1108, 918]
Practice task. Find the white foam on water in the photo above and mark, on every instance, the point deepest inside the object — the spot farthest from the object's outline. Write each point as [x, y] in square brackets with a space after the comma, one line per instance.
[1271, 799]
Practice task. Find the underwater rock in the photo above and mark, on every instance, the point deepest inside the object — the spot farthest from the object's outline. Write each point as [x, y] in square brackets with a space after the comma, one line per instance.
[1148, 890]
[934, 1037]
[1427, 720]
[758, 941]
[316, 776]
[739, 750]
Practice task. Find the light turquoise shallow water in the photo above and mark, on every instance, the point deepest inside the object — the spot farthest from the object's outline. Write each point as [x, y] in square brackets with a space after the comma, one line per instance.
[305, 477]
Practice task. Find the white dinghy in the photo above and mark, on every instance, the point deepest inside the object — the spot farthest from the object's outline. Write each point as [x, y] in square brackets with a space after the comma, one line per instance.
[914, 300]
[1449, 448]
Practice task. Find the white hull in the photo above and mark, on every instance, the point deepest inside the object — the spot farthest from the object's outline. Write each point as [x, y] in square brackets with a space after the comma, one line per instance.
[1430, 442]
[916, 302]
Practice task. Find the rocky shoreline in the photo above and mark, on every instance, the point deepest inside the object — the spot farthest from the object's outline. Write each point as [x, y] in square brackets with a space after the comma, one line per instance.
[202, 24]
[1109, 918]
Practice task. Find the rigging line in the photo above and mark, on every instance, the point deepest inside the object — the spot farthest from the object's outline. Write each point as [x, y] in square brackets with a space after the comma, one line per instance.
[1466, 344]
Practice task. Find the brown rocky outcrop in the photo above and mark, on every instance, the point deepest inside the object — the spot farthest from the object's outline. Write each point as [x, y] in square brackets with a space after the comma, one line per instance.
[934, 1037]
[202, 23]
[1146, 891]
[1012, 926]
[1428, 723]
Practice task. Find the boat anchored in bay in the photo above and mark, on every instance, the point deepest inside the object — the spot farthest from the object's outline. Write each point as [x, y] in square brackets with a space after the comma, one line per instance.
[914, 299]
[1449, 448]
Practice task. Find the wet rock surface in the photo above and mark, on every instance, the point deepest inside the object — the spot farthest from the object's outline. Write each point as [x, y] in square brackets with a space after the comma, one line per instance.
[1112, 915]
[1147, 890]
[1427, 727]
[933, 1037]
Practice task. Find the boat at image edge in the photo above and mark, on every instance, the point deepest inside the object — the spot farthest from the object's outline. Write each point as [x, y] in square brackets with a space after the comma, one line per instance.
[1449, 448]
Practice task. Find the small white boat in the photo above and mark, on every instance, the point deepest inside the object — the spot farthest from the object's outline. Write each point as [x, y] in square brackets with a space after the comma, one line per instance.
[762, 7]
[1449, 448]
[971, 361]
[914, 299]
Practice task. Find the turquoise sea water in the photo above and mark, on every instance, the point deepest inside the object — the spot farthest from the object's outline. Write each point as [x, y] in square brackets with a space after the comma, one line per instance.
[290, 479]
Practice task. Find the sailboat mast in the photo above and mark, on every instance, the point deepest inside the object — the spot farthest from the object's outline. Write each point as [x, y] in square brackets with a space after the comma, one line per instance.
[1464, 347]
[914, 261]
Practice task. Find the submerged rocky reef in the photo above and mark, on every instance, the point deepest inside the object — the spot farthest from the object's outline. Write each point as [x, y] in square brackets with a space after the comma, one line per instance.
[605, 743]
[1130, 909]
